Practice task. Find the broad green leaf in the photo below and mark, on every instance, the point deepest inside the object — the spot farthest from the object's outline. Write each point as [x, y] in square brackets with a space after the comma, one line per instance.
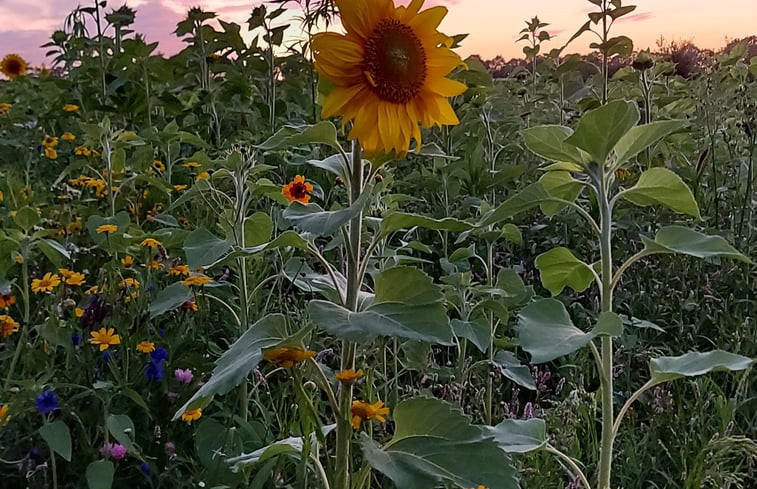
[334, 164]
[510, 367]
[559, 268]
[435, 443]
[99, 474]
[286, 137]
[608, 323]
[546, 331]
[311, 218]
[400, 220]
[685, 241]
[660, 186]
[519, 435]
[284, 240]
[695, 363]
[478, 332]
[424, 322]
[258, 229]
[304, 278]
[58, 438]
[549, 143]
[528, 198]
[26, 218]
[203, 248]
[293, 444]
[640, 323]
[122, 429]
[561, 185]
[239, 360]
[599, 130]
[640, 138]
[515, 291]
[512, 233]
[408, 285]
[121, 220]
[54, 251]
[212, 441]
[170, 298]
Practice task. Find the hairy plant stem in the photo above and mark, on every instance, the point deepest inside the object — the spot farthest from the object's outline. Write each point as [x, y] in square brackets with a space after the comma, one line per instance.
[354, 279]
[605, 451]
[27, 315]
[241, 201]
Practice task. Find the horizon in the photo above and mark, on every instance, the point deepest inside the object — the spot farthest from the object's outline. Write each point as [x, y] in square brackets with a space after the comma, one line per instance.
[492, 25]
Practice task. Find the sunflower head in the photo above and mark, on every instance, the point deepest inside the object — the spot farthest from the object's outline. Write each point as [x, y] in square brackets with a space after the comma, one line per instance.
[298, 190]
[389, 73]
[13, 65]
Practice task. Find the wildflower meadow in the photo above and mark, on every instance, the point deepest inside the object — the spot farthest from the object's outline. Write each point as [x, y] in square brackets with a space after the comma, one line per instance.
[335, 254]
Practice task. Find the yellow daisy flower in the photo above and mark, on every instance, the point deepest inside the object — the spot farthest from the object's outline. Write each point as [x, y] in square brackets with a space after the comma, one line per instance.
[107, 228]
[363, 411]
[191, 415]
[45, 284]
[105, 338]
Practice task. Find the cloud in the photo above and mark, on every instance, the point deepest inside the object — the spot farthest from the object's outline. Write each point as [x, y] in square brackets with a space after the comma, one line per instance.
[641, 16]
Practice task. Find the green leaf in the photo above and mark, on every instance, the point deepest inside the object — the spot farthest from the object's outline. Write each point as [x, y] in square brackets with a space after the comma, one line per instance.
[100, 474]
[293, 444]
[258, 229]
[599, 130]
[400, 220]
[639, 138]
[695, 363]
[333, 164]
[561, 185]
[640, 323]
[685, 241]
[284, 240]
[478, 332]
[512, 233]
[528, 198]
[239, 360]
[546, 331]
[203, 248]
[170, 298]
[304, 278]
[434, 443]
[559, 268]
[608, 323]
[520, 435]
[549, 143]
[311, 218]
[407, 305]
[26, 218]
[662, 186]
[58, 438]
[122, 429]
[121, 220]
[510, 367]
[288, 136]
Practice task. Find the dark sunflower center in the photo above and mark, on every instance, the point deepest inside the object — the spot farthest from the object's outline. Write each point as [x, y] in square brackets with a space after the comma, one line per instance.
[13, 66]
[298, 190]
[395, 62]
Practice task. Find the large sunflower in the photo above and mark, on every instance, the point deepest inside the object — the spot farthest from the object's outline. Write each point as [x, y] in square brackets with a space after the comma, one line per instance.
[388, 72]
[13, 65]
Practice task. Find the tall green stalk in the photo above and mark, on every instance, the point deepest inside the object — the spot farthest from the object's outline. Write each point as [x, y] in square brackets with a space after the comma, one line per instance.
[605, 452]
[354, 280]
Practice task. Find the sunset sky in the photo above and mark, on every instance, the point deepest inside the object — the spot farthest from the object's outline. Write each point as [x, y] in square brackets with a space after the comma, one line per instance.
[493, 25]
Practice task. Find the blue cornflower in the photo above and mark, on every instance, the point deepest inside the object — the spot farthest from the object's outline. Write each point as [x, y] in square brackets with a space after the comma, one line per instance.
[46, 402]
[159, 355]
[106, 356]
[145, 468]
[76, 339]
[154, 371]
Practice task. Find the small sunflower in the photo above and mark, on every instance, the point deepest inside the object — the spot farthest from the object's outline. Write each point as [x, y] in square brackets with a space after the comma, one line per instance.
[71, 108]
[191, 415]
[105, 338]
[146, 347]
[363, 411]
[51, 154]
[76, 279]
[107, 228]
[389, 73]
[197, 280]
[45, 284]
[5, 108]
[7, 300]
[127, 261]
[177, 270]
[68, 136]
[8, 326]
[50, 142]
[298, 190]
[13, 65]
[150, 242]
[286, 356]
[349, 376]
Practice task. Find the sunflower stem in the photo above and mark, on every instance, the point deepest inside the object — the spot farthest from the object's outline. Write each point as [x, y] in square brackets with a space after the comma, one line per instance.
[343, 426]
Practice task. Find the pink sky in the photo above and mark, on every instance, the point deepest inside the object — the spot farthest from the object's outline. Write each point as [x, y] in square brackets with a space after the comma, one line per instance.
[493, 25]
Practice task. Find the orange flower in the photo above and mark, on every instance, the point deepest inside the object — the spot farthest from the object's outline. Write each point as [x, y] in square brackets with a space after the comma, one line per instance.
[191, 415]
[179, 188]
[67, 136]
[107, 228]
[70, 108]
[146, 347]
[189, 305]
[178, 270]
[203, 175]
[287, 356]
[50, 153]
[8, 326]
[349, 376]
[75, 278]
[298, 190]
[105, 338]
[363, 411]
[7, 300]
[129, 282]
[151, 242]
[13, 65]
[78, 312]
[198, 280]
[45, 284]
[127, 261]
[155, 265]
